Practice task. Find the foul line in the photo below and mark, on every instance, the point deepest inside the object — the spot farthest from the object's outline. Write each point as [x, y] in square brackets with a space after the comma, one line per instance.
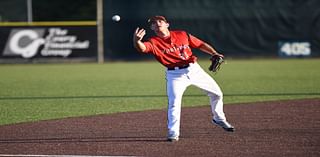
[26, 155]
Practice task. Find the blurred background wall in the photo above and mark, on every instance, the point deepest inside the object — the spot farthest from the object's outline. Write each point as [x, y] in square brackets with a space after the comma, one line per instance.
[239, 29]
[46, 10]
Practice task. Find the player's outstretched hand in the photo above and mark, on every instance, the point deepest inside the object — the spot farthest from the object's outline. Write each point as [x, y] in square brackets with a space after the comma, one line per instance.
[137, 37]
[139, 34]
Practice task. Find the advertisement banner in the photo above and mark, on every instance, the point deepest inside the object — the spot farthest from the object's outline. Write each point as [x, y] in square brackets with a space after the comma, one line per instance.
[66, 42]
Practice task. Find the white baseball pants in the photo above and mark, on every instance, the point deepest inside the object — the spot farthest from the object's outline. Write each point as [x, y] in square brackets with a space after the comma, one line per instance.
[178, 81]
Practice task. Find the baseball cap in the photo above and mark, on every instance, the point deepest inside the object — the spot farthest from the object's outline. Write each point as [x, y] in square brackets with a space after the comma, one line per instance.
[157, 17]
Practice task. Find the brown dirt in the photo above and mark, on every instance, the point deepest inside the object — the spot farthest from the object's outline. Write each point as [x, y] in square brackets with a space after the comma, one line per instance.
[268, 129]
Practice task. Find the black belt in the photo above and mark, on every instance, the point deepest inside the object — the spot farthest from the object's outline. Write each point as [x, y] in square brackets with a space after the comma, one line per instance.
[181, 67]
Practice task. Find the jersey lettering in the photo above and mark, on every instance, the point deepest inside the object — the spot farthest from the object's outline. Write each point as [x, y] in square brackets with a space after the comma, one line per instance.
[175, 51]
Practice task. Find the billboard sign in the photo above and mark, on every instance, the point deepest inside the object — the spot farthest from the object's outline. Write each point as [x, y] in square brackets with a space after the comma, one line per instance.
[46, 42]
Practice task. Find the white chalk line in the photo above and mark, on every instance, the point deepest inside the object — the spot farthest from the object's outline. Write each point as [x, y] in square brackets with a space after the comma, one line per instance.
[32, 155]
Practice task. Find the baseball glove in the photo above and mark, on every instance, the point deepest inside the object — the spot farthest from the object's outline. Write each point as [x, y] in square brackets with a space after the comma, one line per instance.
[216, 62]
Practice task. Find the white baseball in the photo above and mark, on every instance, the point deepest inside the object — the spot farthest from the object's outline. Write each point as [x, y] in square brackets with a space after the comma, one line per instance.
[116, 18]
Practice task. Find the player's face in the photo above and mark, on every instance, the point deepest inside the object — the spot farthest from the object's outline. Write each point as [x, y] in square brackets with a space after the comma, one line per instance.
[159, 26]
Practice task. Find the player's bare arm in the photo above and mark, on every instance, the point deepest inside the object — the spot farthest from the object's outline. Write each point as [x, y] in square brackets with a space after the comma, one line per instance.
[209, 49]
[137, 37]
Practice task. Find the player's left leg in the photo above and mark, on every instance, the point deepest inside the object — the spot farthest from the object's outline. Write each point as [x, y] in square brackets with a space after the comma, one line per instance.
[204, 81]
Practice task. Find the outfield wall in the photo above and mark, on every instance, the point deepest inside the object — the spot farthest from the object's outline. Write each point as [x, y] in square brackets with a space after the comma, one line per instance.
[239, 28]
[236, 28]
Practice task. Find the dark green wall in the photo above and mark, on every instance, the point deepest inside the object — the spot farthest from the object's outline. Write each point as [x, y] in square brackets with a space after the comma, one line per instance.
[243, 28]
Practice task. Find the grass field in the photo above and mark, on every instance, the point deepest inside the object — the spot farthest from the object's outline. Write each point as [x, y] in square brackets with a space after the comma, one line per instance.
[35, 92]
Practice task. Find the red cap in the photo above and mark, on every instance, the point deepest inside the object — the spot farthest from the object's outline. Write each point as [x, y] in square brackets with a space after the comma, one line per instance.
[157, 17]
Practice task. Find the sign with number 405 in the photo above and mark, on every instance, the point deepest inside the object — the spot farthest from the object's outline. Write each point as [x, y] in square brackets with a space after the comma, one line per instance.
[291, 49]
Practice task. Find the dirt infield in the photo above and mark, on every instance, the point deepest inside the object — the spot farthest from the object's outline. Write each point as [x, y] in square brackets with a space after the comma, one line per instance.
[269, 129]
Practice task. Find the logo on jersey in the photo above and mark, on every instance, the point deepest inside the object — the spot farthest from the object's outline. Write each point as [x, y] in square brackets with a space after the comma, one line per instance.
[181, 50]
[176, 48]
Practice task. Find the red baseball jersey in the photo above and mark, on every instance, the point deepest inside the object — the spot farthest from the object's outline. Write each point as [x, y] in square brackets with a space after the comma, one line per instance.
[174, 51]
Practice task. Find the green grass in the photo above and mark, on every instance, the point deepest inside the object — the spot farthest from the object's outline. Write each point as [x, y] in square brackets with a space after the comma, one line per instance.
[35, 92]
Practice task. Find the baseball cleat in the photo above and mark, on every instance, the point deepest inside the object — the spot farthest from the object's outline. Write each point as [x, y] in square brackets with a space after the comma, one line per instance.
[224, 124]
[173, 139]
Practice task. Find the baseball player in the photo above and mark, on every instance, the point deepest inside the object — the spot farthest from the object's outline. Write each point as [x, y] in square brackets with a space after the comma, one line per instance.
[173, 50]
